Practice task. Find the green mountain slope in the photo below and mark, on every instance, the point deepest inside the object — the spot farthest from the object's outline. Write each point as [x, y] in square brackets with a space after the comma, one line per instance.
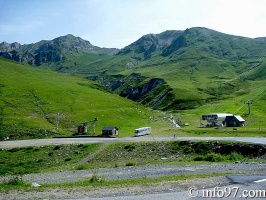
[173, 70]
[195, 67]
[30, 100]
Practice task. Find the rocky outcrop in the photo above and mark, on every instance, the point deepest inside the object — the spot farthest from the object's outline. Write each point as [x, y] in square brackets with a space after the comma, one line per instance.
[139, 93]
[152, 92]
[261, 39]
[47, 51]
[6, 47]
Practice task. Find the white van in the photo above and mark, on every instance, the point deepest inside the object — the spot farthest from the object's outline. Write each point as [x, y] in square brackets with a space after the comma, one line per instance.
[142, 131]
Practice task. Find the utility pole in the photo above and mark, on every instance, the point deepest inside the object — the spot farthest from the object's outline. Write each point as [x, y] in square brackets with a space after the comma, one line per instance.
[249, 102]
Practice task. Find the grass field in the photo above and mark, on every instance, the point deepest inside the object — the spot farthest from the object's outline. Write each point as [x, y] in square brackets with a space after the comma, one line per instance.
[40, 159]
[33, 100]
[39, 103]
[69, 157]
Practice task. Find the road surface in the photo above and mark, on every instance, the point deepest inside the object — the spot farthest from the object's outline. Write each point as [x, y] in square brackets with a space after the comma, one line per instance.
[58, 141]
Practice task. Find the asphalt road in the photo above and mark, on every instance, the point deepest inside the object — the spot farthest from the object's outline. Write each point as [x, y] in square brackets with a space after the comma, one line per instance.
[241, 187]
[58, 141]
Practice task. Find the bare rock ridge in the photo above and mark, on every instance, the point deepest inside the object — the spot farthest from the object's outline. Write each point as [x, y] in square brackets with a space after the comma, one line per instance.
[54, 50]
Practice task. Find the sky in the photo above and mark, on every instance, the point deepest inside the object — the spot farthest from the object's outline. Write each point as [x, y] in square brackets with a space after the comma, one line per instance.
[118, 23]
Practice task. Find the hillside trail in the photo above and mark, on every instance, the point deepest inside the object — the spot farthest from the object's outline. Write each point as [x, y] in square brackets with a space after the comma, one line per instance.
[93, 155]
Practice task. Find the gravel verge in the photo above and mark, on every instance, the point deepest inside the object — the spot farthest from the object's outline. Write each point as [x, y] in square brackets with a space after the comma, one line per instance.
[105, 192]
[148, 171]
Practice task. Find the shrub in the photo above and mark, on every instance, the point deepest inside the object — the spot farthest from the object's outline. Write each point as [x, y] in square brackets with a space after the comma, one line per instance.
[198, 158]
[14, 149]
[39, 160]
[131, 163]
[213, 157]
[81, 167]
[56, 148]
[50, 154]
[210, 157]
[67, 159]
[29, 148]
[13, 180]
[130, 147]
[36, 149]
[234, 156]
[175, 146]
[201, 147]
[95, 177]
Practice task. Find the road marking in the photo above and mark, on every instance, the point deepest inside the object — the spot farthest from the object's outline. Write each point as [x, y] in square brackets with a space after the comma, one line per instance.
[259, 181]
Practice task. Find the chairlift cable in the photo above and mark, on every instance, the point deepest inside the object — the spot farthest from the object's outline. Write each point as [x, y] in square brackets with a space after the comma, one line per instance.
[254, 66]
[253, 98]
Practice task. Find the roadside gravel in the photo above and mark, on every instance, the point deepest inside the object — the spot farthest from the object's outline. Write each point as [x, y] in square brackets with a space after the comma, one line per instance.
[149, 171]
[105, 192]
[146, 171]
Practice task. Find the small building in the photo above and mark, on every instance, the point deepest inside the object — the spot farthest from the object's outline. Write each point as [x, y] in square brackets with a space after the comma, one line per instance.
[109, 131]
[234, 121]
[215, 119]
[223, 119]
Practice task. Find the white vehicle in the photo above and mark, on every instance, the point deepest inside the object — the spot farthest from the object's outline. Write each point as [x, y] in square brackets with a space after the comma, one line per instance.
[142, 131]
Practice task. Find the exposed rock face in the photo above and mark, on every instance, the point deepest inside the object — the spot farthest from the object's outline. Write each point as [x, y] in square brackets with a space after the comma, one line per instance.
[139, 93]
[6, 47]
[147, 44]
[151, 93]
[50, 50]
[116, 85]
[261, 38]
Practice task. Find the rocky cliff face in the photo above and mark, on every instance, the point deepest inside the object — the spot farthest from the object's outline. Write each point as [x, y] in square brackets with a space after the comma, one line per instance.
[153, 92]
[6, 47]
[147, 44]
[261, 38]
[50, 50]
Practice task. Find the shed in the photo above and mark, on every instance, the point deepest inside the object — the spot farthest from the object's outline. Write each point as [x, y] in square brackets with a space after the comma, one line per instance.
[109, 130]
[234, 121]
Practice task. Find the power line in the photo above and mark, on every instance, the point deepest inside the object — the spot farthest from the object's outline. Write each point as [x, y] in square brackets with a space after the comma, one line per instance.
[256, 97]
[253, 67]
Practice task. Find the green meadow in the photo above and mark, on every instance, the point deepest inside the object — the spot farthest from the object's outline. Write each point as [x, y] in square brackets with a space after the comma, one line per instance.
[38, 103]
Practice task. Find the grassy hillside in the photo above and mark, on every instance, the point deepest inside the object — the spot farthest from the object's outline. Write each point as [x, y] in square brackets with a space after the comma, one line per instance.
[235, 103]
[188, 73]
[32, 98]
[193, 65]
[197, 65]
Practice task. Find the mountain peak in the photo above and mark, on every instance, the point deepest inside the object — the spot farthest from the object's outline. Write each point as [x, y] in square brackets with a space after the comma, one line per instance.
[4, 46]
[261, 38]
[51, 50]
